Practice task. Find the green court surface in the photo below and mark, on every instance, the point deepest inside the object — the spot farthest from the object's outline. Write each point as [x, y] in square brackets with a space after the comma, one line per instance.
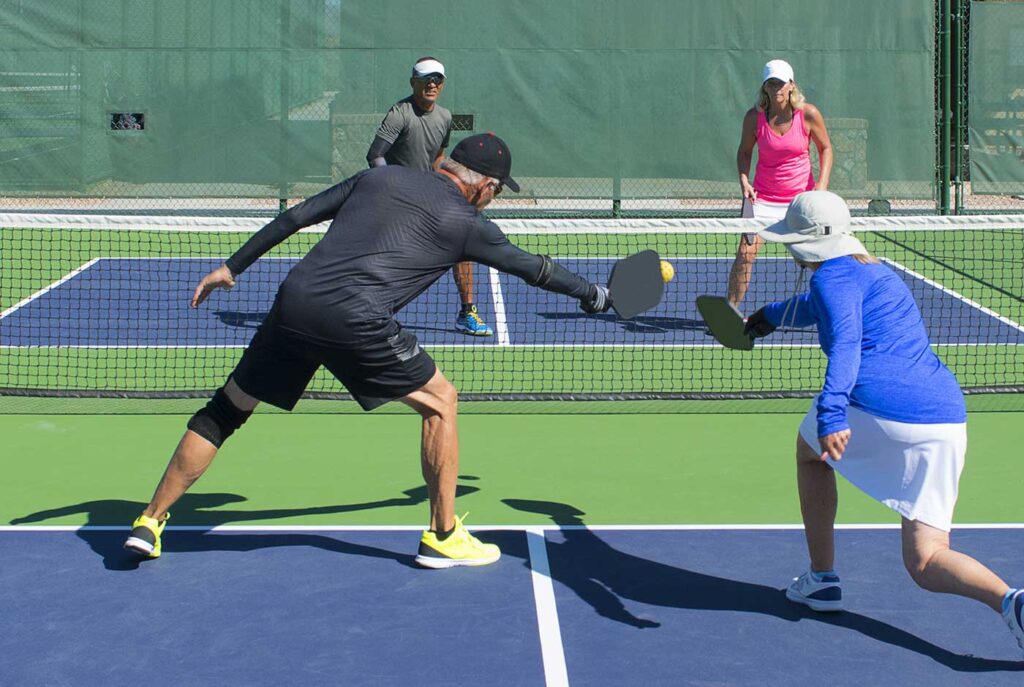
[641, 462]
[305, 469]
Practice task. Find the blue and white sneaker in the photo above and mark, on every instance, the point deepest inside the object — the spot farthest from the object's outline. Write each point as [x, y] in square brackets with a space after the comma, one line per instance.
[817, 592]
[1013, 614]
[469, 322]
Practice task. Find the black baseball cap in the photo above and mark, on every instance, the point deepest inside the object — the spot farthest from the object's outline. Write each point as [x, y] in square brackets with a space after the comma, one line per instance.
[488, 155]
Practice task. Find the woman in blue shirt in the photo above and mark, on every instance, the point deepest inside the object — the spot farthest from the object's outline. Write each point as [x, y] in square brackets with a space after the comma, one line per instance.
[890, 416]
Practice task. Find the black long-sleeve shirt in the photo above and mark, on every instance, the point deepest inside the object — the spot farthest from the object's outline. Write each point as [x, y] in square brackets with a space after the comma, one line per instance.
[394, 232]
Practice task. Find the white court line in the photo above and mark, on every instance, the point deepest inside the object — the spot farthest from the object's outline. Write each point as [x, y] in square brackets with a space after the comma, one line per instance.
[70, 275]
[500, 320]
[552, 653]
[446, 346]
[957, 295]
[494, 528]
[120, 347]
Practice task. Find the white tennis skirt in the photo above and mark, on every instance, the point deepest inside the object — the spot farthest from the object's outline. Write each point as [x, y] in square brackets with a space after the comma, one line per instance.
[912, 468]
[762, 209]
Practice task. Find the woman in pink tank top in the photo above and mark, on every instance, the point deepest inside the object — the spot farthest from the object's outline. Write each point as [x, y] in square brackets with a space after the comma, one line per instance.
[781, 125]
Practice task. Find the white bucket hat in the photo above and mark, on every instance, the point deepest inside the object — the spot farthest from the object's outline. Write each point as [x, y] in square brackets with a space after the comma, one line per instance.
[816, 228]
[777, 69]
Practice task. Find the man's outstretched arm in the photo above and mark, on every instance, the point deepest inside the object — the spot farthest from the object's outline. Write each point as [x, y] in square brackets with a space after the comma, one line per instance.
[488, 245]
[321, 207]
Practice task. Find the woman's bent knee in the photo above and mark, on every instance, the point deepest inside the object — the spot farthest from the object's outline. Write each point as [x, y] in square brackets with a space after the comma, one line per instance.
[920, 546]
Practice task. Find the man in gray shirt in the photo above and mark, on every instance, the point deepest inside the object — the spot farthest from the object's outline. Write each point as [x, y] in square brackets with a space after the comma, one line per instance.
[415, 133]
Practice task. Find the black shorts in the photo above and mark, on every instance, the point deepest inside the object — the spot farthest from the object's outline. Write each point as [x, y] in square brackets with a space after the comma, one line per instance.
[277, 366]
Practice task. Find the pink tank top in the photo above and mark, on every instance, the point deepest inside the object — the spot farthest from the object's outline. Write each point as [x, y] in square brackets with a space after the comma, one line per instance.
[783, 162]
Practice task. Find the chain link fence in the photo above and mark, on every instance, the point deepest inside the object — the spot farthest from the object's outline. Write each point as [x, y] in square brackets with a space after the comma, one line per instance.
[241, 107]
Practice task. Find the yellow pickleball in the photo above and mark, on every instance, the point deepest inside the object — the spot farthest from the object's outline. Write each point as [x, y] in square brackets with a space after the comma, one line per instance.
[667, 271]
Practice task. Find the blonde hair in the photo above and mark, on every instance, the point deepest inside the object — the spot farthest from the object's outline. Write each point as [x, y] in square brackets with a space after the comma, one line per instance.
[862, 258]
[796, 98]
[865, 259]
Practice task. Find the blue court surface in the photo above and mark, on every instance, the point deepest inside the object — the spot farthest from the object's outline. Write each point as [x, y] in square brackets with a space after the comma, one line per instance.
[566, 605]
[141, 302]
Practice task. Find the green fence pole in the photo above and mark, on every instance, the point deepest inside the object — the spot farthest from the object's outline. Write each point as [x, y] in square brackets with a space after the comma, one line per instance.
[282, 108]
[945, 118]
[960, 59]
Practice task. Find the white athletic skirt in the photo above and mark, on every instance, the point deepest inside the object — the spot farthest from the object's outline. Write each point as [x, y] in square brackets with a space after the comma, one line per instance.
[762, 209]
[912, 468]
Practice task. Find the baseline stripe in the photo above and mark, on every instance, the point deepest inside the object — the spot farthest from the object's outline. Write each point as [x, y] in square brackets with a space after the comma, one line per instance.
[493, 528]
[70, 275]
[472, 346]
[552, 653]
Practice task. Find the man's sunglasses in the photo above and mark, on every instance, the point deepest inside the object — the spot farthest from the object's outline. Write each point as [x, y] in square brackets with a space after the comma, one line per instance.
[435, 79]
[498, 187]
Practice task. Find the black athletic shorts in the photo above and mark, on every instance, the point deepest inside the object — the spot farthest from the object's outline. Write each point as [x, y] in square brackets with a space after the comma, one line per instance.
[277, 366]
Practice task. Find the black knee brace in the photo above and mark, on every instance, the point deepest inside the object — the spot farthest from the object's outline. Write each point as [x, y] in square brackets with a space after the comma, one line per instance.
[219, 419]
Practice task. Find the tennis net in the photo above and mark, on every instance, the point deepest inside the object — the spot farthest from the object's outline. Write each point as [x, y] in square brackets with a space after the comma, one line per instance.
[97, 306]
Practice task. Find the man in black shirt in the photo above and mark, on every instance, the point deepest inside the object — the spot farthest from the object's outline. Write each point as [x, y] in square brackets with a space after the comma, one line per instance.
[394, 231]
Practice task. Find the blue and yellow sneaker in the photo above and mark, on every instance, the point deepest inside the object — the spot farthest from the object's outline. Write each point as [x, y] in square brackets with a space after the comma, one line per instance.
[145, 537]
[469, 322]
[819, 592]
[459, 548]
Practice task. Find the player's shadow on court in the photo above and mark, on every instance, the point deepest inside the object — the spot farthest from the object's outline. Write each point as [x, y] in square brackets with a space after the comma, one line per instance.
[641, 324]
[603, 577]
[207, 510]
[444, 328]
[252, 320]
[245, 320]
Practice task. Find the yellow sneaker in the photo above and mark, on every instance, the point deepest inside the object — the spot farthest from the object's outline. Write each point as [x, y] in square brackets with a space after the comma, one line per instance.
[145, 537]
[460, 548]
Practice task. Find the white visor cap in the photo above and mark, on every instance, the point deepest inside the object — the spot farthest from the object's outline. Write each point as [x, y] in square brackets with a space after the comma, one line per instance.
[427, 67]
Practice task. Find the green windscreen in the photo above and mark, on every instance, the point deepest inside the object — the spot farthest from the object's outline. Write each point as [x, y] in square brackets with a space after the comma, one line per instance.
[598, 99]
[996, 98]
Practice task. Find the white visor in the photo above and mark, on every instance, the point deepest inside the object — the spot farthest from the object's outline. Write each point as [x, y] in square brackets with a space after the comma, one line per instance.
[427, 67]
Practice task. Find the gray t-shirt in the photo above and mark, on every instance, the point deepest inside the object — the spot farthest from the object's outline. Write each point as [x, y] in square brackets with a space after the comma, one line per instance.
[415, 136]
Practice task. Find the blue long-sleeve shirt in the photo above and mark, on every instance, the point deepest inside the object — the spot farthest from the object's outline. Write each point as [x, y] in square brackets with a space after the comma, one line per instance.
[879, 358]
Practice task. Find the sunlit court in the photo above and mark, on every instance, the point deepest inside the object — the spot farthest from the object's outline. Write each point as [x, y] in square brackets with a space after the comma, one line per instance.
[333, 350]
